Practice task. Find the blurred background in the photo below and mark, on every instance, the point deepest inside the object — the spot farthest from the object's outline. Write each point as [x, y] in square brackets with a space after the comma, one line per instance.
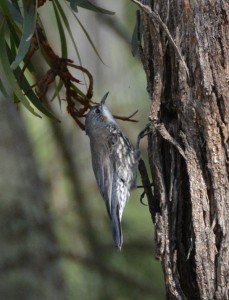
[52, 161]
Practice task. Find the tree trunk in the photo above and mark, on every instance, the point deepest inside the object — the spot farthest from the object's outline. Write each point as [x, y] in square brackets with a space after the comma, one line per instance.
[188, 147]
[27, 267]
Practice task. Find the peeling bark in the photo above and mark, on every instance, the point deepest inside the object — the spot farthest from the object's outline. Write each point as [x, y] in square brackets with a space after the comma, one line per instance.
[188, 147]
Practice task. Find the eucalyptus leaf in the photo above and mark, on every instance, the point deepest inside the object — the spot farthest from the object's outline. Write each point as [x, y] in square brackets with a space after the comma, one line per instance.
[14, 42]
[58, 87]
[15, 12]
[25, 87]
[5, 9]
[66, 23]
[9, 73]
[89, 39]
[27, 33]
[73, 5]
[88, 5]
[64, 51]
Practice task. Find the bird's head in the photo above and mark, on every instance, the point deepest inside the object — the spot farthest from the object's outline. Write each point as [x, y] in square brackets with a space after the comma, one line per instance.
[99, 116]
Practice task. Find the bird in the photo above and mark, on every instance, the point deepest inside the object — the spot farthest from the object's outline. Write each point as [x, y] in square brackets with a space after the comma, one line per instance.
[114, 162]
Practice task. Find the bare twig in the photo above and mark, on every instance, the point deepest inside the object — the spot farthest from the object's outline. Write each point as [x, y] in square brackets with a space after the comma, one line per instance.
[127, 118]
[166, 135]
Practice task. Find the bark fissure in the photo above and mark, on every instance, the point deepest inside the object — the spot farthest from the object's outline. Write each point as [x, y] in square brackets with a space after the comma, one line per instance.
[188, 147]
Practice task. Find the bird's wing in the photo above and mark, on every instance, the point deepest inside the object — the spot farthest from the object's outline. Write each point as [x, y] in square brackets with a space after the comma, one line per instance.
[122, 156]
[104, 167]
[124, 169]
[104, 171]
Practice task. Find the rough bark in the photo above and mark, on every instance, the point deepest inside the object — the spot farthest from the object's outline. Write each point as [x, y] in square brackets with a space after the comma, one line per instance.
[188, 147]
[27, 267]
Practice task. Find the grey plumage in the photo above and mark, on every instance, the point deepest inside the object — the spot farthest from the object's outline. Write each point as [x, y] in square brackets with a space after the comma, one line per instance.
[114, 161]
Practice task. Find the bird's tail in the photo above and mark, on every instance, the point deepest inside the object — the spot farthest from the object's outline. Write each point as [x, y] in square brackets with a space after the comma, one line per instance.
[116, 227]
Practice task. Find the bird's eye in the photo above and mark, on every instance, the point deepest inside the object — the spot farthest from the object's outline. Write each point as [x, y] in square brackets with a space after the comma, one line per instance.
[97, 110]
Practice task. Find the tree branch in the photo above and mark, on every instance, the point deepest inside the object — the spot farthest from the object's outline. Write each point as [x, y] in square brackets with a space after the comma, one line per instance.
[155, 17]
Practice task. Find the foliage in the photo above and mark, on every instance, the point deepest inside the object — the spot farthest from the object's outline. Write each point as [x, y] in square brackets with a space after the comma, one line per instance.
[92, 268]
[22, 34]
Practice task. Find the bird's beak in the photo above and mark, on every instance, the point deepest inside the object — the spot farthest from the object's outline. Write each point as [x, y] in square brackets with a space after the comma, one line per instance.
[102, 102]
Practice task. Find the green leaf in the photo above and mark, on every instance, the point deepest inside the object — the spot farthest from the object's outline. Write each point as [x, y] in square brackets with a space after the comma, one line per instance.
[15, 12]
[89, 39]
[9, 73]
[66, 23]
[73, 5]
[27, 33]
[58, 95]
[78, 91]
[88, 5]
[64, 51]
[25, 86]
[14, 42]
[4, 8]
[58, 87]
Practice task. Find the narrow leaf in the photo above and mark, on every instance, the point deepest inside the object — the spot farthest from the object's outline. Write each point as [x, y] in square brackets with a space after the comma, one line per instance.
[4, 8]
[66, 23]
[76, 89]
[14, 42]
[58, 87]
[64, 52]
[14, 12]
[88, 5]
[9, 74]
[25, 86]
[27, 33]
[89, 39]
[73, 5]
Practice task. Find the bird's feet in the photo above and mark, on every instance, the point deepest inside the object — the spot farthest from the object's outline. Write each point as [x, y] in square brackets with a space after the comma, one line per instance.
[143, 133]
